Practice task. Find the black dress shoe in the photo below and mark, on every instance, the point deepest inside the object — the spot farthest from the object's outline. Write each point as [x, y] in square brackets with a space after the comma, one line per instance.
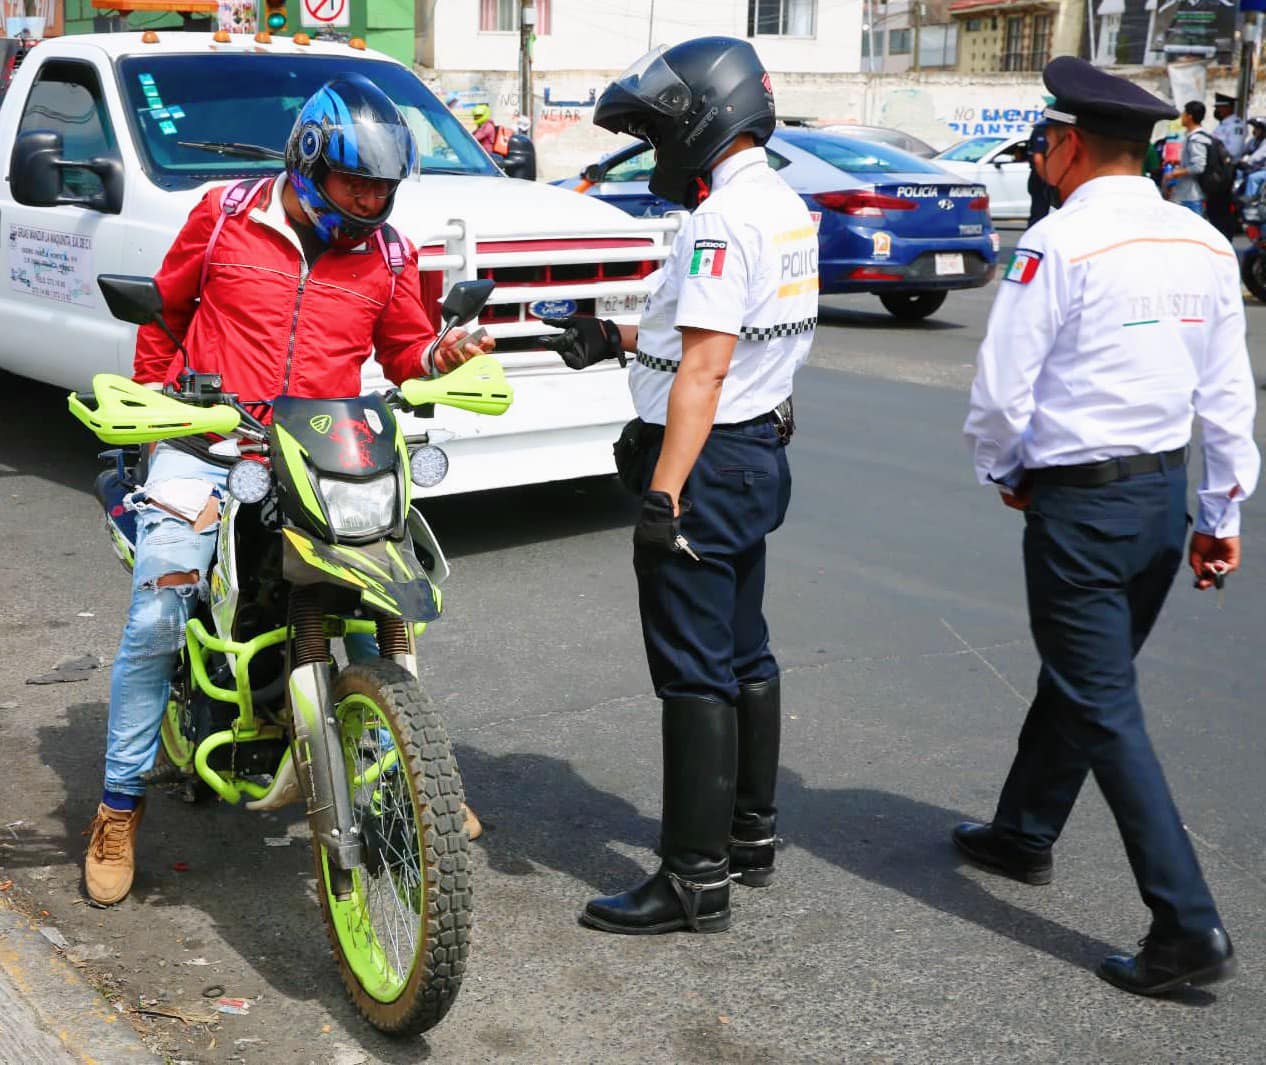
[989, 850]
[1167, 964]
[664, 903]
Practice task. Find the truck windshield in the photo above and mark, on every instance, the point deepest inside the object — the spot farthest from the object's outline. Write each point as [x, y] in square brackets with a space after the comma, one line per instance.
[251, 99]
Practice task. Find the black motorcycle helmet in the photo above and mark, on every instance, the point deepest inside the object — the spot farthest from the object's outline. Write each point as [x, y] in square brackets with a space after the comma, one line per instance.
[690, 101]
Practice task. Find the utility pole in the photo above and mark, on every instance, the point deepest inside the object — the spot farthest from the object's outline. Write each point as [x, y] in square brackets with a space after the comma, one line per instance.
[918, 23]
[1250, 42]
[650, 29]
[527, 27]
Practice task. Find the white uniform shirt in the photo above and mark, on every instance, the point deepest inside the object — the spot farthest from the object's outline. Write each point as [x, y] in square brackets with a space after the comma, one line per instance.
[1232, 132]
[1118, 319]
[745, 263]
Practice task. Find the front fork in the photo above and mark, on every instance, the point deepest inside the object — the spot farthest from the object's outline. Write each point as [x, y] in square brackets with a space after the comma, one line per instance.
[318, 745]
[318, 756]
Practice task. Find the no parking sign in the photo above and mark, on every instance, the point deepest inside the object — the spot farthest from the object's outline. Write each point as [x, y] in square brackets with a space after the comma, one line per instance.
[318, 13]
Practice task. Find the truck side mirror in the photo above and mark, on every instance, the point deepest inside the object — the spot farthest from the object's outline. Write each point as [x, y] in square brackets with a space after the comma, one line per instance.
[37, 179]
[131, 298]
[465, 300]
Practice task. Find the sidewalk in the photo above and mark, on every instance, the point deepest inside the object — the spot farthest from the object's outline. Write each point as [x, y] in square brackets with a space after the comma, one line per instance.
[49, 1015]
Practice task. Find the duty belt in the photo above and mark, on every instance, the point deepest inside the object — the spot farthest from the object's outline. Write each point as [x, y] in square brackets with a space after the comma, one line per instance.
[783, 417]
[1096, 474]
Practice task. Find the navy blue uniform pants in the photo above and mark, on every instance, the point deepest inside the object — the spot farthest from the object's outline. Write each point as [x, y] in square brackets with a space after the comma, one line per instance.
[703, 623]
[1098, 564]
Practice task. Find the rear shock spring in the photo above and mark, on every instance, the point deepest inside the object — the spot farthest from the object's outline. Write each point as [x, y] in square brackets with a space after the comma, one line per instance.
[307, 627]
[393, 637]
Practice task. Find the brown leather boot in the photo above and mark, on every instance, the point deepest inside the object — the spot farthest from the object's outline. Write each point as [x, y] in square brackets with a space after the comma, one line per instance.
[111, 860]
[474, 828]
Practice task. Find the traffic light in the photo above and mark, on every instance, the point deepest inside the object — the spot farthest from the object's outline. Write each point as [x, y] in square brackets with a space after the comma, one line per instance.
[275, 15]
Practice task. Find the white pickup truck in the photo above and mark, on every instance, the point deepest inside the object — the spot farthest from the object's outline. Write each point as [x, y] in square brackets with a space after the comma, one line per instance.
[115, 137]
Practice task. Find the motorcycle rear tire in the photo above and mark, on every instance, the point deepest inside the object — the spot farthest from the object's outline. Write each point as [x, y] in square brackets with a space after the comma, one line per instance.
[417, 854]
[1253, 273]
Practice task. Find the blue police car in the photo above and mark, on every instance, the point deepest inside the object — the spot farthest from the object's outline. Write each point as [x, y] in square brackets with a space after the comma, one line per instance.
[889, 222]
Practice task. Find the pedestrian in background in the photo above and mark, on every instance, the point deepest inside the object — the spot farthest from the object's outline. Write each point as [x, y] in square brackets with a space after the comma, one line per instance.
[1183, 182]
[1231, 129]
[1118, 319]
[485, 127]
[730, 319]
[1039, 190]
[1232, 134]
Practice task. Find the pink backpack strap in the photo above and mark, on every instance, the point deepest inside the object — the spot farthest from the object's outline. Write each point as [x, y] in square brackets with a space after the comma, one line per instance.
[231, 201]
[395, 254]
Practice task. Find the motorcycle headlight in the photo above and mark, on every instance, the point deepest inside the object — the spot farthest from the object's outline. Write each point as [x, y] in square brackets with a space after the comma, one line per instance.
[249, 481]
[428, 466]
[360, 508]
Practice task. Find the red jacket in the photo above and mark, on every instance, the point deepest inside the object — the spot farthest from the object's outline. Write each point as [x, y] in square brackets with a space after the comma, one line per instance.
[266, 328]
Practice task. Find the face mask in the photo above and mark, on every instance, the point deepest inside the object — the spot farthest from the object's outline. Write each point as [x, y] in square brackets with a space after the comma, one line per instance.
[1056, 199]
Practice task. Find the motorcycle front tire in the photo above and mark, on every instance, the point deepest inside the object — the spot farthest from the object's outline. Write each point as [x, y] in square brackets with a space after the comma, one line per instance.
[401, 933]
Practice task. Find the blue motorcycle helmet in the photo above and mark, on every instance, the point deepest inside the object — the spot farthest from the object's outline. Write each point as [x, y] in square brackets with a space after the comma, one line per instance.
[351, 126]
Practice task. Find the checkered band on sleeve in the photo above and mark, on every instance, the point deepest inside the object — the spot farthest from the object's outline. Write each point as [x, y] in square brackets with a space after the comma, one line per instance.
[654, 362]
[782, 329]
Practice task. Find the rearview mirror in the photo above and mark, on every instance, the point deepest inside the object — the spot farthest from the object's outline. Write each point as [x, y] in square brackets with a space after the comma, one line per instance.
[131, 298]
[465, 300]
[37, 175]
[592, 173]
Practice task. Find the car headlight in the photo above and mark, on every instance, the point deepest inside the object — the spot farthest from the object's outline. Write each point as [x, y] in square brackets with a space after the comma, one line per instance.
[360, 508]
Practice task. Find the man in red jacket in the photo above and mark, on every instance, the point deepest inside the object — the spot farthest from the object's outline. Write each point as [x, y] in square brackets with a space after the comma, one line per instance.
[284, 287]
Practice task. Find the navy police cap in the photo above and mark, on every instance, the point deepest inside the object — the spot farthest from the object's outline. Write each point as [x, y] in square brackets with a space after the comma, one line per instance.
[1099, 102]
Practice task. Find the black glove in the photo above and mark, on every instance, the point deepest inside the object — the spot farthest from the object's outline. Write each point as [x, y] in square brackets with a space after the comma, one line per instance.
[585, 340]
[658, 528]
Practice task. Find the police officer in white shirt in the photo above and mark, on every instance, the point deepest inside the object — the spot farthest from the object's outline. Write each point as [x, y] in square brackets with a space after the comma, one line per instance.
[1231, 129]
[730, 318]
[1118, 319]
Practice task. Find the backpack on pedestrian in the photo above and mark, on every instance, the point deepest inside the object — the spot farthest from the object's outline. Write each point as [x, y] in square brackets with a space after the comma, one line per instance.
[1219, 169]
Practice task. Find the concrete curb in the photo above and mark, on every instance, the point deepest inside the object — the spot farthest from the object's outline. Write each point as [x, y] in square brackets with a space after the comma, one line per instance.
[50, 1015]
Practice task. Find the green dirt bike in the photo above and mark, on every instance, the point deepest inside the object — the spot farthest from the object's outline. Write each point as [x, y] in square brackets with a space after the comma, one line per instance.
[318, 539]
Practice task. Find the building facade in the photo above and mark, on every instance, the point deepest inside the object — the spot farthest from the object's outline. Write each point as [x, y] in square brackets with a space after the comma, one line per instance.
[1004, 36]
[903, 35]
[806, 36]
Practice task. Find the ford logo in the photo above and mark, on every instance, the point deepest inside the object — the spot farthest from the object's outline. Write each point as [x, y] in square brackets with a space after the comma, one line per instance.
[945, 205]
[552, 308]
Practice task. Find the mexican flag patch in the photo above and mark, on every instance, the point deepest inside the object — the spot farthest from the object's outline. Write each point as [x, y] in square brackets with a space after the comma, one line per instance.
[1023, 266]
[708, 259]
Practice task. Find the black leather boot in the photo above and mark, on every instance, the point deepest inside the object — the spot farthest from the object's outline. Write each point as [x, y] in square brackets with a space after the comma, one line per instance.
[691, 890]
[752, 834]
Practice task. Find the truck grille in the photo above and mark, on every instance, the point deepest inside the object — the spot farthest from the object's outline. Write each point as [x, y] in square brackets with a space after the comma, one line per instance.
[544, 278]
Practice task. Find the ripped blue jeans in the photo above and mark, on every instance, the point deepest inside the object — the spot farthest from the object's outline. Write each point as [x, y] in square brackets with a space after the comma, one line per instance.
[155, 629]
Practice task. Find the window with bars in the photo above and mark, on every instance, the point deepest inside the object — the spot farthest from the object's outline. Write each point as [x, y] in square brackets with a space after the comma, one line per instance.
[1042, 25]
[502, 16]
[1013, 57]
[781, 18]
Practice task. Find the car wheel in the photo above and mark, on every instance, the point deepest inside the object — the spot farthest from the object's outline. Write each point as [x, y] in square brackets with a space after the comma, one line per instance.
[912, 306]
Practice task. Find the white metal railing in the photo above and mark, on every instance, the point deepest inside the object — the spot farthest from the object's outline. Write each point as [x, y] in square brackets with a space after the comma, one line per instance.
[461, 260]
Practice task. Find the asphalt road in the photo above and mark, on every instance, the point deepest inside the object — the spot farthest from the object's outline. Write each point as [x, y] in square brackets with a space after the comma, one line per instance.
[897, 610]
